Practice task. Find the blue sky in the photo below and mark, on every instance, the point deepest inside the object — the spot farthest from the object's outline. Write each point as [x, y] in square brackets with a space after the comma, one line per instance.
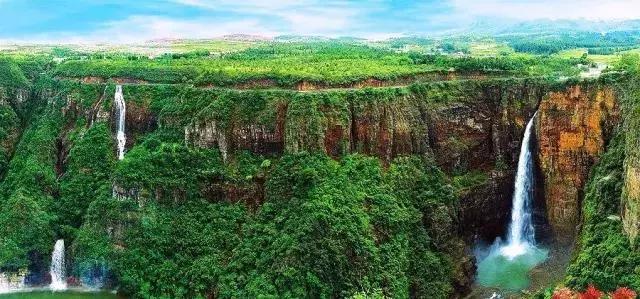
[136, 20]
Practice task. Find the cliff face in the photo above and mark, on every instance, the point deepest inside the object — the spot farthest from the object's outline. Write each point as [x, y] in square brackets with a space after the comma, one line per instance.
[466, 128]
[483, 134]
[472, 127]
[10, 101]
[631, 191]
[572, 129]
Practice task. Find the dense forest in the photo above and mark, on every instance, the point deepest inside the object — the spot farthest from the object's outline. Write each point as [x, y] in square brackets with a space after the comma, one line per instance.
[597, 43]
[323, 169]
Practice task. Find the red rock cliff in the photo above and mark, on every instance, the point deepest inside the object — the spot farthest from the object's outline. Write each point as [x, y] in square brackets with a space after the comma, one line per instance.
[573, 127]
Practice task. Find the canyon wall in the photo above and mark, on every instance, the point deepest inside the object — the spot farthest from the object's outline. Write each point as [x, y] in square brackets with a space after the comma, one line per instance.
[573, 127]
[631, 191]
[481, 135]
[631, 199]
[11, 100]
[471, 130]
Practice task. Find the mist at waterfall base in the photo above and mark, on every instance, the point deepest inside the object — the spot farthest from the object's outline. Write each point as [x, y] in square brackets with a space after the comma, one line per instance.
[506, 265]
[90, 283]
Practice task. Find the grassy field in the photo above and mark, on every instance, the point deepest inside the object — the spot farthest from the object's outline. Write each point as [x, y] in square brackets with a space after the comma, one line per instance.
[577, 53]
[287, 64]
[489, 47]
[213, 46]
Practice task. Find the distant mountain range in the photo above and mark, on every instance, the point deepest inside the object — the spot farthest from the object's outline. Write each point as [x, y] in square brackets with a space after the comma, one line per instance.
[482, 27]
[505, 26]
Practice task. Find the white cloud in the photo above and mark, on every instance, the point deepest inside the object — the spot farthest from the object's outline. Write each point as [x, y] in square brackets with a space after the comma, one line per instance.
[301, 17]
[142, 27]
[372, 19]
[551, 9]
[154, 27]
[245, 5]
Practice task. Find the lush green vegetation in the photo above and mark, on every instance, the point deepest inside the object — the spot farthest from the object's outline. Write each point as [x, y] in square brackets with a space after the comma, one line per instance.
[8, 132]
[27, 195]
[553, 43]
[179, 244]
[181, 221]
[59, 295]
[286, 65]
[605, 258]
[87, 177]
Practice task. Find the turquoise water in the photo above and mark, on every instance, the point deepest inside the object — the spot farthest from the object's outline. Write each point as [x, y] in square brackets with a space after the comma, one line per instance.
[509, 273]
[59, 295]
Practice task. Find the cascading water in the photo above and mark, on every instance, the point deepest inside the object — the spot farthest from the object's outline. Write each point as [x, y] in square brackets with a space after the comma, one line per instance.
[10, 283]
[521, 232]
[57, 270]
[507, 265]
[121, 114]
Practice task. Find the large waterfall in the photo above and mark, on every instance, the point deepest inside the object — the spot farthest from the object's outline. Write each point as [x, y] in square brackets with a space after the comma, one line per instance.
[507, 265]
[57, 270]
[121, 114]
[521, 233]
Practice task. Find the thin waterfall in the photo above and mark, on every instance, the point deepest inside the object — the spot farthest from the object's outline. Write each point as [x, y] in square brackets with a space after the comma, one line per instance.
[521, 232]
[57, 270]
[121, 114]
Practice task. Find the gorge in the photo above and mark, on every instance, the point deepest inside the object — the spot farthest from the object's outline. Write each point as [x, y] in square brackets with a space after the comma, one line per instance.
[292, 188]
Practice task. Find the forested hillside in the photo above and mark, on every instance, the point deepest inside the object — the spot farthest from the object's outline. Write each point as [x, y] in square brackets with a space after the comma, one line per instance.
[307, 169]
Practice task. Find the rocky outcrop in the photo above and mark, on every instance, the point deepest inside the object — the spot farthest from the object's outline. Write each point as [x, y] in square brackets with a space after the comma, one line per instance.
[470, 126]
[206, 134]
[388, 130]
[98, 113]
[234, 136]
[572, 130]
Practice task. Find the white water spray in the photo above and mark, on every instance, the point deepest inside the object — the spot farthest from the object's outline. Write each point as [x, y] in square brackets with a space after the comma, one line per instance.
[121, 114]
[10, 283]
[507, 265]
[521, 233]
[57, 270]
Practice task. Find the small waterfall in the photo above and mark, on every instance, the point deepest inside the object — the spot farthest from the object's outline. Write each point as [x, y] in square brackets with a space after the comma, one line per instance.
[57, 270]
[10, 283]
[521, 232]
[121, 114]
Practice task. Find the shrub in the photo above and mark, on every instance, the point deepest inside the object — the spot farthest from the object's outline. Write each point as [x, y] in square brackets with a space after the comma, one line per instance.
[624, 293]
[564, 293]
[591, 293]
